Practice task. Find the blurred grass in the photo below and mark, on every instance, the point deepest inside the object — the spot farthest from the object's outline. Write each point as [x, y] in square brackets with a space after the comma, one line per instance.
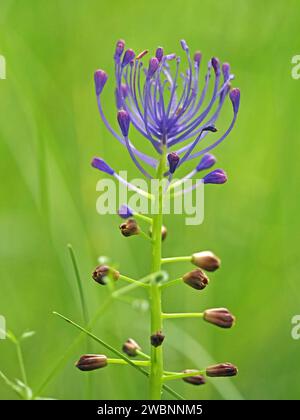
[50, 129]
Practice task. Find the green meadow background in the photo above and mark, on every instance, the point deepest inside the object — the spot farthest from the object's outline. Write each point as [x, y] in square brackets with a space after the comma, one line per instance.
[50, 130]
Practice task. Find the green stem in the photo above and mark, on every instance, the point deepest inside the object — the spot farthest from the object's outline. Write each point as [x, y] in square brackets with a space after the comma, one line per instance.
[124, 362]
[144, 355]
[21, 363]
[175, 260]
[183, 375]
[138, 283]
[183, 315]
[142, 217]
[171, 283]
[156, 372]
[144, 235]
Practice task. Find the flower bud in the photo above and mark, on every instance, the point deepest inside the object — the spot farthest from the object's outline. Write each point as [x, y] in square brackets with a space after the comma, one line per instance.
[102, 271]
[125, 212]
[235, 99]
[119, 49]
[124, 121]
[216, 65]
[157, 339]
[159, 53]
[129, 228]
[222, 369]
[206, 162]
[194, 380]
[218, 176]
[100, 78]
[91, 362]
[163, 232]
[153, 66]
[226, 71]
[184, 45]
[100, 164]
[130, 347]
[173, 159]
[220, 317]
[196, 279]
[128, 57]
[206, 260]
[197, 57]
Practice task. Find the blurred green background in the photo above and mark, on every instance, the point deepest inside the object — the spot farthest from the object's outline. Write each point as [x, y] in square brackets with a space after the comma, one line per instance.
[50, 129]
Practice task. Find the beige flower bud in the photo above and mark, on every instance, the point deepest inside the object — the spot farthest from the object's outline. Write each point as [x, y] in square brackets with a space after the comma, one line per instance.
[206, 260]
[196, 279]
[91, 362]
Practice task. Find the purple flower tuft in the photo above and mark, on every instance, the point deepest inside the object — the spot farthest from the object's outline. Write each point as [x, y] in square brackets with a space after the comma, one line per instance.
[173, 159]
[218, 176]
[100, 78]
[100, 164]
[226, 71]
[159, 53]
[197, 57]
[128, 57]
[119, 50]
[125, 212]
[235, 99]
[124, 121]
[216, 65]
[206, 162]
[184, 45]
[153, 66]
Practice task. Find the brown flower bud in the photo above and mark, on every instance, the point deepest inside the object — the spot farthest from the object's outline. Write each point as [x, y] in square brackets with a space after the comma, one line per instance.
[130, 347]
[91, 362]
[157, 339]
[220, 317]
[163, 232]
[222, 369]
[196, 279]
[102, 271]
[129, 228]
[194, 380]
[206, 260]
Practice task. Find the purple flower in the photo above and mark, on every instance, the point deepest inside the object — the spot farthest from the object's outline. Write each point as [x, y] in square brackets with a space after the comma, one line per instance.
[170, 108]
[173, 160]
[125, 212]
[218, 176]
[100, 164]
[206, 162]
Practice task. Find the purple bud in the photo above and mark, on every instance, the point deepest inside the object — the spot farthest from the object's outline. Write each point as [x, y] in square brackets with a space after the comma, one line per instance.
[218, 176]
[206, 162]
[170, 56]
[235, 99]
[173, 159]
[226, 71]
[124, 121]
[159, 53]
[184, 45]
[125, 212]
[119, 50]
[128, 57]
[121, 93]
[216, 65]
[197, 57]
[153, 66]
[211, 128]
[100, 78]
[100, 164]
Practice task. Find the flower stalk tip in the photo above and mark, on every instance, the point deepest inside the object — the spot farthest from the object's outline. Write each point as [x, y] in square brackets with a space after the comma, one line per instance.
[100, 78]
[130, 347]
[124, 121]
[221, 370]
[220, 317]
[101, 272]
[218, 176]
[130, 228]
[157, 339]
[196, 279]
[89, 362]
[194, 380]
[100, 164]
[206, 260]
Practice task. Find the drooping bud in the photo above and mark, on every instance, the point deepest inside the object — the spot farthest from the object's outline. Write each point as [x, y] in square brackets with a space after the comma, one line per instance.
[173, 159]
[125, 212]
[206, 162]
[216, 65]
[100, 164]
[124, 121]
[159, 53]
[206, 260]
[222, 369]
[235, 99]
[211, 128]
[226, 71]
[130, 228]
[184, 45]
[196, 279]
[102, 271]
[194, 380]
[153, 66]
[89, 362]
[197, 57]
[164, 232]
[218, 176]
[128, 57]
[130, 347]
[220, 317]
[100, 78]
[119, 50]
[157, 339]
